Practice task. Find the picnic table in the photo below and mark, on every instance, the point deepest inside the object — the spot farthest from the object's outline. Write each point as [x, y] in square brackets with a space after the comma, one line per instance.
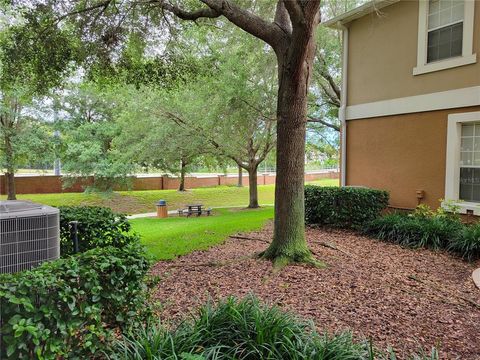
[194, 209]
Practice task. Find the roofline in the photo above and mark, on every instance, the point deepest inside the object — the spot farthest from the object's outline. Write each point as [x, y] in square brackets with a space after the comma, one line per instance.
[339, 21]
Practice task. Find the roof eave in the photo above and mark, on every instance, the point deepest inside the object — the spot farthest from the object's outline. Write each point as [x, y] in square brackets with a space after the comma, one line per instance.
[340, 21]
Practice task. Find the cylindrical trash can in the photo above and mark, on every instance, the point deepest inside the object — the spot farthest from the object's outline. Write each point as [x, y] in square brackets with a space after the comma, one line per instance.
[162, 211]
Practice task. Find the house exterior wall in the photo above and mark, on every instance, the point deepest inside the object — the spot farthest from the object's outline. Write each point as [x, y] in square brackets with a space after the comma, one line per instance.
[383, 53]
[401, 154]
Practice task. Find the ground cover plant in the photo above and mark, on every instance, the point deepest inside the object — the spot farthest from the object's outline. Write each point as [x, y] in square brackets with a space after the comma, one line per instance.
[343, 207]
[72, 307]
[97, 227]
[425, 228]
[166, 239]
[134, 202]
[396, 296]
[244, 330]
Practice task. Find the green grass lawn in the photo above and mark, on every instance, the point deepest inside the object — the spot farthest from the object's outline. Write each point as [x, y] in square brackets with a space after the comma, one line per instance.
[133, 202]
[167, 238]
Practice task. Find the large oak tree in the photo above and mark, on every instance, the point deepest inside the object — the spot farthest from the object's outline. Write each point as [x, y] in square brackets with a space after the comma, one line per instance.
[291, 35]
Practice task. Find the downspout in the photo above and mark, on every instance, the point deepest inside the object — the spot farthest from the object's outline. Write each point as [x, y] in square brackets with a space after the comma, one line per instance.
[343, 106]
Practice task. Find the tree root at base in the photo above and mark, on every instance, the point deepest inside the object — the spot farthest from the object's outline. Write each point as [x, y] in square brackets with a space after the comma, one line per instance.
[279, 260]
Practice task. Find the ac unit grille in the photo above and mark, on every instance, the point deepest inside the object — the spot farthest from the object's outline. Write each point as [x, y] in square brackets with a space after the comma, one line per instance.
[27, 241]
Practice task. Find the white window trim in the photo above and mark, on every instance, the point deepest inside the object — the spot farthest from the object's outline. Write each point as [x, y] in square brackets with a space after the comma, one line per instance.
[468, 57]
[452, 174]
[450, 99]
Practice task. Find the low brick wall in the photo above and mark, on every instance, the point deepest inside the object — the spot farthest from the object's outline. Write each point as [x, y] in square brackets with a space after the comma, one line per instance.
[46, 184]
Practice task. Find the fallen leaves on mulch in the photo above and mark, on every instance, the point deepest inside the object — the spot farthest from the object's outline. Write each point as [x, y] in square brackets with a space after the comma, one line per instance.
[409, 299]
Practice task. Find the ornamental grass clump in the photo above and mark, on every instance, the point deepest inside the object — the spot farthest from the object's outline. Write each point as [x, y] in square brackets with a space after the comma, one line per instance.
[415, 231]
[242, 330]
[425, 228]
[468, 244]
[246, 330]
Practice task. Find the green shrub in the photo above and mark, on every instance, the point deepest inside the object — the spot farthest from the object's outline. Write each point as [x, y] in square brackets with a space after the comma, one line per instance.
[245, 330]
[98, 227]
[346, 207]
[434, 232]
[468, 243]
[70, 308]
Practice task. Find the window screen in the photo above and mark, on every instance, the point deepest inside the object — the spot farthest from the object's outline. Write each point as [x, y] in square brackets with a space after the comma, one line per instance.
[470, 163]
[445, 29]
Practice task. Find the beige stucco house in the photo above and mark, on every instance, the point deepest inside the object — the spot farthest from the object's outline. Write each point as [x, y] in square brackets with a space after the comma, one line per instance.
[411, 100]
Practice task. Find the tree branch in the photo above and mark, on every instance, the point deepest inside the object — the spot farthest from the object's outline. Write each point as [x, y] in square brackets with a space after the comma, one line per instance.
[334, 90]
[295, 11]
[247, 21]
[257, 110]
[103, 5]
[209, 12]
[333, 99]
[323, 122]
[282, 18]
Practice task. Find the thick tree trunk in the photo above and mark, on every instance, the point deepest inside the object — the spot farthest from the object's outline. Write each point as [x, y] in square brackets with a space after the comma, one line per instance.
[289, 232]
[10, 173]
[289, 244]
[182, 176]
[240, 176]
[10, 181]
[252, 187]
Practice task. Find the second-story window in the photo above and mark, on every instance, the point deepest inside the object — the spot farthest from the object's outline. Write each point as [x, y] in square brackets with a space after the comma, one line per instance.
[445, 29]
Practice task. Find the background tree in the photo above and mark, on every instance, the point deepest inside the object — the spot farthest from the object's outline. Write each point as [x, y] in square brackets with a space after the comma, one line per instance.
[88, 128]
[232, 110]
[288, 28]
[149, 140]
[31, 63]
[324, 98]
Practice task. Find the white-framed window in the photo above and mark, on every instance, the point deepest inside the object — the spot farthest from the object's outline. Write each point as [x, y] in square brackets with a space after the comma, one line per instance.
[462, 177]
[445, 35]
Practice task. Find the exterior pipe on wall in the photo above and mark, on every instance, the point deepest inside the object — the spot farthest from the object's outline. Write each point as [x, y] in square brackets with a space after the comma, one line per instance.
[343, 107]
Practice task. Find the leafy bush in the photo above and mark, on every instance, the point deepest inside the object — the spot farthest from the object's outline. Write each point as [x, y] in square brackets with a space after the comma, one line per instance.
[434, 232]
[98, 227]
[243, 330]
[70, 308]
[347, 207]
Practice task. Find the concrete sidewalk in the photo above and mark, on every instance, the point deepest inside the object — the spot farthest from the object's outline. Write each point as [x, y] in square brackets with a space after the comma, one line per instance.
[175, 212]
[150, 214]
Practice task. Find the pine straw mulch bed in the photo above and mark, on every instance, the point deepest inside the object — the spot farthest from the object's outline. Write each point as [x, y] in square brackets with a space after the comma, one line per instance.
[406, 298]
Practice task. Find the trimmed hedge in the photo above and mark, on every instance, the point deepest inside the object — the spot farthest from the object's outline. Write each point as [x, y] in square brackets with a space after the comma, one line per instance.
[70, 308]
[98, 227]
[345, 207]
